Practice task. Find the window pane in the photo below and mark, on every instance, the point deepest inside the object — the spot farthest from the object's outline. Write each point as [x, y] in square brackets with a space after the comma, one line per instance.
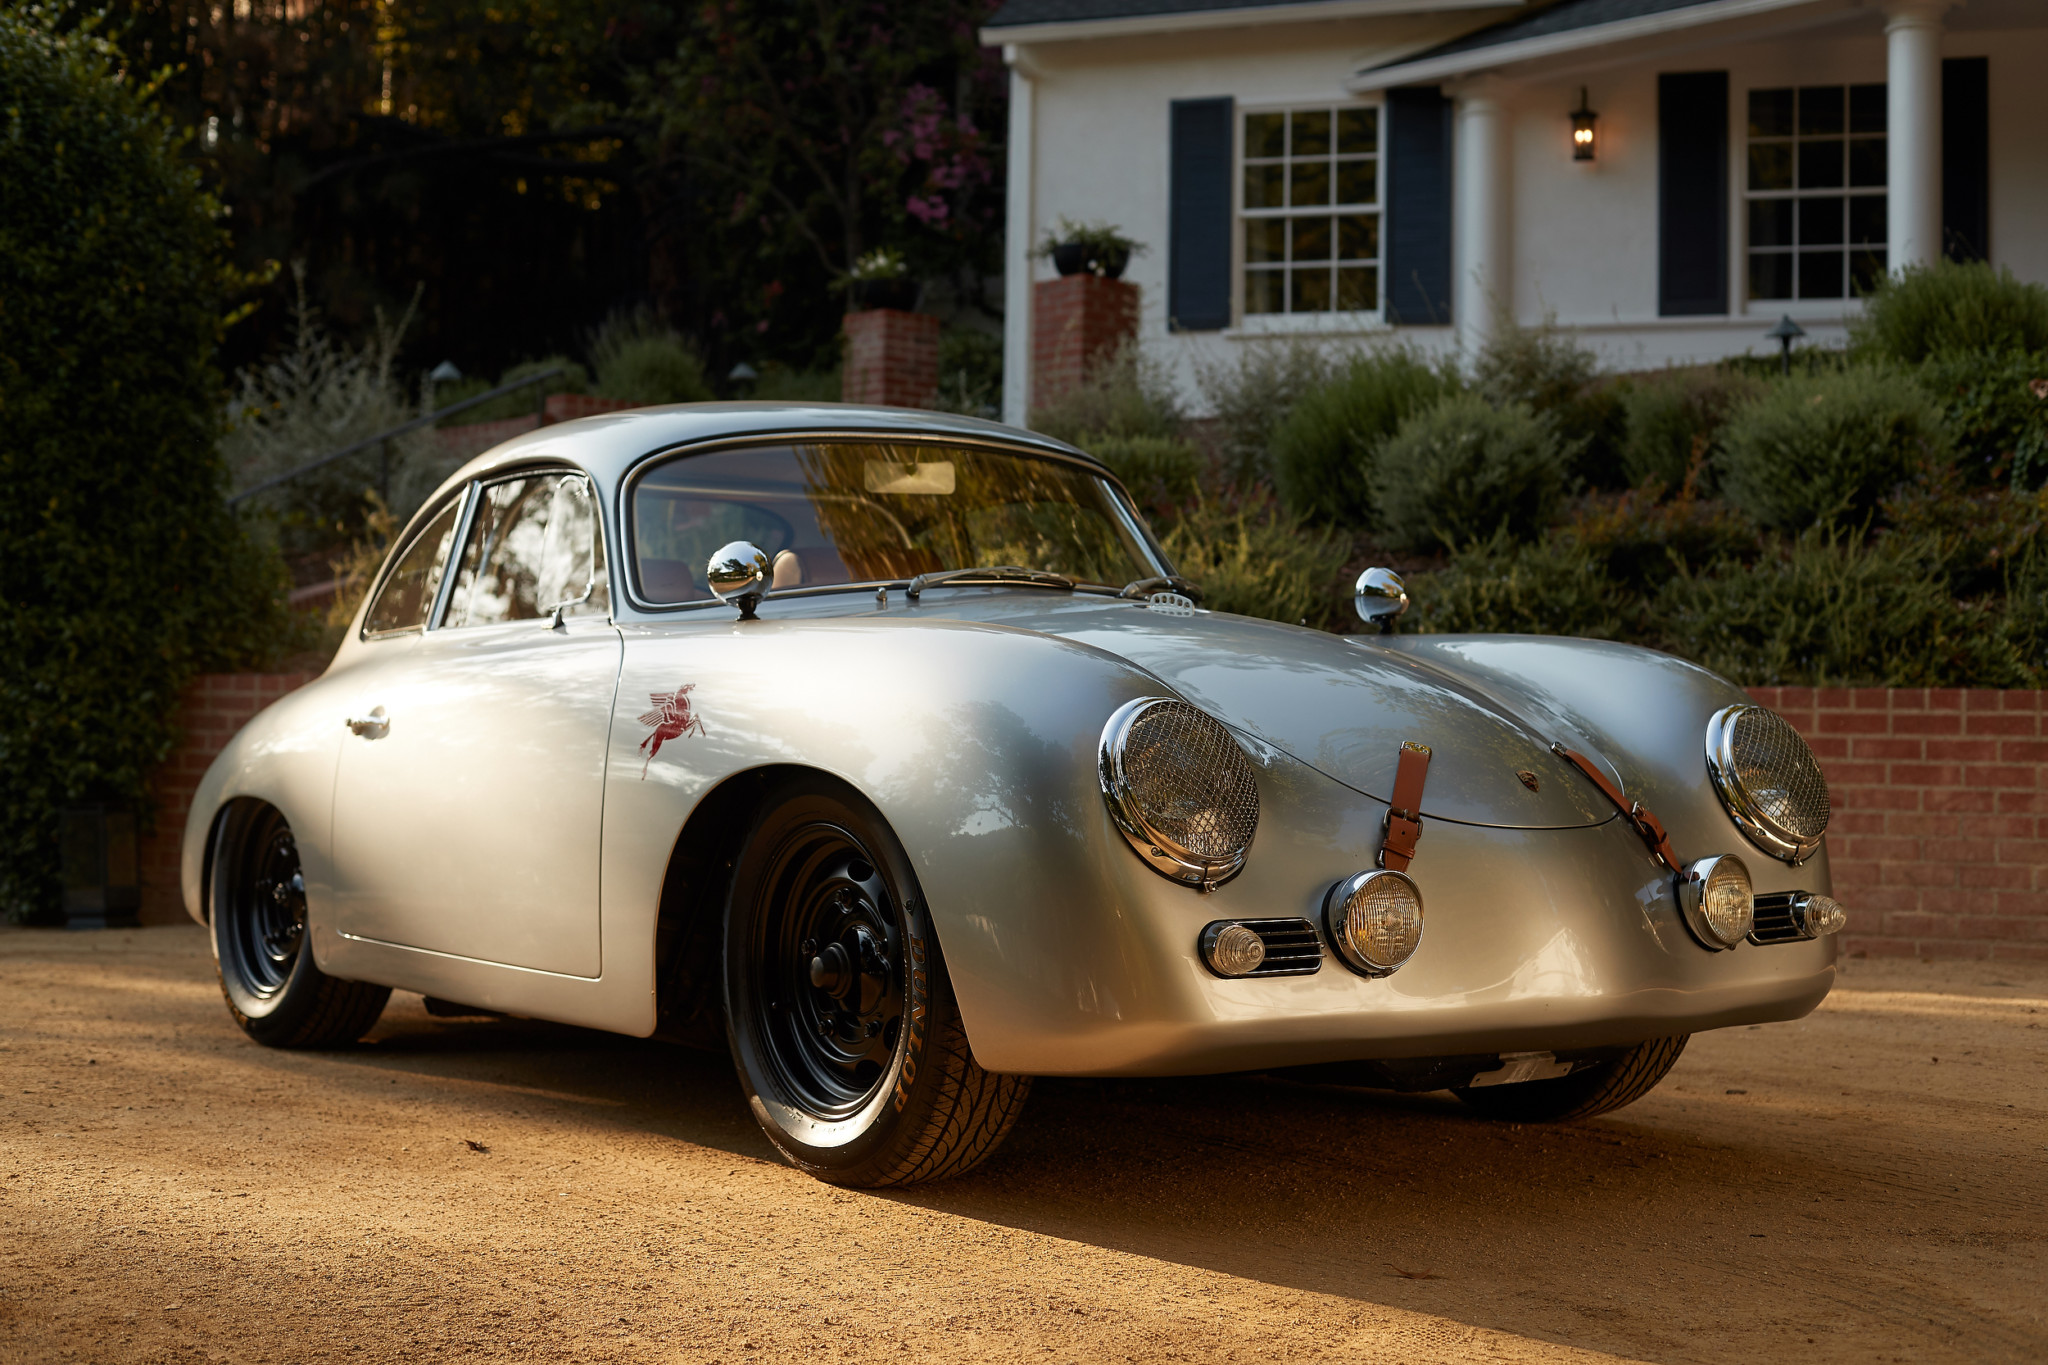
[1820, 110]
[1265, 135]
[1311, 239]
[1770, 165]
[1358, 130]
[1770, 222]
[1357, 182]
[1820, 274]
[1866, 268]
[1867, 219]
[1265, 239]
[1820, 222]
[1866, 109]
[1358, 237]
[1311, 183]
[1770, 275]
[1311, 290]
[1358, 288]
[532, 547]
[408, 594]
[1820, 165]
[1311, 133]
[1265, 291]
[1867, 161]
[1770, 113]
[1262, 186]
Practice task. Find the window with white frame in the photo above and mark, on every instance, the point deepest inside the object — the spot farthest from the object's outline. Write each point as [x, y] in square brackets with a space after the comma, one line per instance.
[1311, 210]
[1816, 191]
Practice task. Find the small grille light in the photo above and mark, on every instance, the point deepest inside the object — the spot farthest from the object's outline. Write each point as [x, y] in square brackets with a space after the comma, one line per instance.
[1719, 907]
[1180, 788]
[1819, 915]
[1769, 780]
[1375, 920]
[1233, 950]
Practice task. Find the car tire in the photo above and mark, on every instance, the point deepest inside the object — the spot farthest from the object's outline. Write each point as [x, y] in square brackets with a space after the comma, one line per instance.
[257, 912]
[842, 1020]
[1581, 1095]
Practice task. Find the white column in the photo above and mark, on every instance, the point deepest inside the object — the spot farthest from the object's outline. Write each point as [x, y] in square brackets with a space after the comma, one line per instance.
[1480, 207]
[1018, 231]
[1913, 131]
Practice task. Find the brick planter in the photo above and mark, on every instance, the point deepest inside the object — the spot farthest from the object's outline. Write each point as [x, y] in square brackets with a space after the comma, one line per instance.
[1077, 321]
[892, 358]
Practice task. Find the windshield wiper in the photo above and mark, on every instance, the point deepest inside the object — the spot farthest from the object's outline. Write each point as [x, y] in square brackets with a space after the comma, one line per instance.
[994, 573]
[1171, 582]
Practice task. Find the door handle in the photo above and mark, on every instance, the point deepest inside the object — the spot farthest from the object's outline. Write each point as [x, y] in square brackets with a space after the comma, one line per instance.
[376, 725]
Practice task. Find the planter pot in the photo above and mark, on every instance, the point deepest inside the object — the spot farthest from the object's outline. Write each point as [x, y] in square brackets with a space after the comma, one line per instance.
[1110, 264]
[1077, 258]
[1070, 258]
[900, 294]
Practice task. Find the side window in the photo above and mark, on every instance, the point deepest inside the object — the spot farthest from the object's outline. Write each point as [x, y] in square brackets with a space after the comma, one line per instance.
[408, 594]
[534, 545]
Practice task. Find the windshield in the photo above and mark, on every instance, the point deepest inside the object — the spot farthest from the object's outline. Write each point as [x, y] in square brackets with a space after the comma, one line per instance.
[862, 512]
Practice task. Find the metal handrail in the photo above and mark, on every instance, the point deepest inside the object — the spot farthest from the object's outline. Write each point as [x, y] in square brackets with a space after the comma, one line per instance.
[386, 437]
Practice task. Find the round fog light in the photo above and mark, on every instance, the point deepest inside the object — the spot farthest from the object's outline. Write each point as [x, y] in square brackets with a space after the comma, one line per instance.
[1375, 920]
[1233, 950]
[1818, 915]
[1719, 907]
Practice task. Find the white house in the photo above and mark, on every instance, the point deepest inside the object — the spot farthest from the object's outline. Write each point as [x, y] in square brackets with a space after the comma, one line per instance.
[1347, 169]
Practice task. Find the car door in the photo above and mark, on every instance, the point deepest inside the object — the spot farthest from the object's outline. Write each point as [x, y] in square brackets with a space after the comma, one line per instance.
[468, 801]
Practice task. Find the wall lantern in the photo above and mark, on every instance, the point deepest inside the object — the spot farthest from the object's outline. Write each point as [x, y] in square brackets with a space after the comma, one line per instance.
[1583, 120]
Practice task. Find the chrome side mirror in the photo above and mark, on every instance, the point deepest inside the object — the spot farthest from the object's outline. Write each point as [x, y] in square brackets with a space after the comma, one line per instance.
[1380, 598]
[738, 574]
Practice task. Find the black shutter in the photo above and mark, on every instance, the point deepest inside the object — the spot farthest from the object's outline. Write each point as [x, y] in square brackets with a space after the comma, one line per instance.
[1692, 193]
[1198, 234]
[1966, 158]
[1418, 222]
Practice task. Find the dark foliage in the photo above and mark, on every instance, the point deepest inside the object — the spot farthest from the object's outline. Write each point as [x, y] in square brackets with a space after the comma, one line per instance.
[1463, 469]
[1950, 309]
[1323, 452]
[1829, 448]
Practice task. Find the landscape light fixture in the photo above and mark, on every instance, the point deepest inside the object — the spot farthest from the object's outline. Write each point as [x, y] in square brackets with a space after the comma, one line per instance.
[1785, 333]
[1583, 119]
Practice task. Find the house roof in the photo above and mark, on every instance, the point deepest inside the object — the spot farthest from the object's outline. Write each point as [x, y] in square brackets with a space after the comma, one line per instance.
[1018, 13]
[1055, 20]
[1562, 17]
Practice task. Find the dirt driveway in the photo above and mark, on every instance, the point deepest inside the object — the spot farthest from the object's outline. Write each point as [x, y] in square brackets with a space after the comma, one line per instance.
[1867, 1184]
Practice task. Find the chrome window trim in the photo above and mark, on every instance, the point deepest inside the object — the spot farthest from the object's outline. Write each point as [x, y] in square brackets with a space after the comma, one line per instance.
[474, 493]
[1156, 851]
[629, 485]
[1742, 807]
[422, 520]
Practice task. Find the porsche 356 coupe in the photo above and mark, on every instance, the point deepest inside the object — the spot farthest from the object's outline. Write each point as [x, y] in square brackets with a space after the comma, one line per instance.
[887, 749]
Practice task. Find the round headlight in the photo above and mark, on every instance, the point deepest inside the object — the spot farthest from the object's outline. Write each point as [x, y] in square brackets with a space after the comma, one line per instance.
[1375, 920]
[1769, 781]
[1719, 906]
[1180, 788]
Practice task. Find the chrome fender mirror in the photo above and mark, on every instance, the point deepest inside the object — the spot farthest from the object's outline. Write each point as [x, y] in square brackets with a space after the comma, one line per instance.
[1380, 598]
[738, 574]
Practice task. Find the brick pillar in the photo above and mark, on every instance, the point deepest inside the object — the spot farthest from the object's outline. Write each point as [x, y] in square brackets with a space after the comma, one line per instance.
[892, 358]
[1076, 321]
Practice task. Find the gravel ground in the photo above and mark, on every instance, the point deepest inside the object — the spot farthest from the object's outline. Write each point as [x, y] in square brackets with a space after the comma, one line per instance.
[1868, 1184]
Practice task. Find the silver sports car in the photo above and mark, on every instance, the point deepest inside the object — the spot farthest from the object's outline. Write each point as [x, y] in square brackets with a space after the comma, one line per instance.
[887, 749]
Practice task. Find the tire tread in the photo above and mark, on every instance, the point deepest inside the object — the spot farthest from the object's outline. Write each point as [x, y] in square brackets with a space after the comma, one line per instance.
[1599, 1090]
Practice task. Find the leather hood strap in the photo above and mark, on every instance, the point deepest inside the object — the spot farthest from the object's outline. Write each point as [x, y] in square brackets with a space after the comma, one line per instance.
[1404, 814]
[1637, 814]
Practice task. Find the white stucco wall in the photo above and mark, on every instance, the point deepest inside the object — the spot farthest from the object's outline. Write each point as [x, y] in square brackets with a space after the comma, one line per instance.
[1583, 237]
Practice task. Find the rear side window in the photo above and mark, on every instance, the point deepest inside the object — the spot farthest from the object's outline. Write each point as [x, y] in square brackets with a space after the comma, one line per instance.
[534, 545]
[408, 593]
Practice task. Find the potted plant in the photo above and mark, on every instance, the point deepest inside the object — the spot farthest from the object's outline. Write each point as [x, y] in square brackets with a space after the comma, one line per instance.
[1097, 248]
[881, 279]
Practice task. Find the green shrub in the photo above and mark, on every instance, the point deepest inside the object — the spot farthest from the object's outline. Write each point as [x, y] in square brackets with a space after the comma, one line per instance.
[1256, 560]
[1323, 453]
[1554, 587]
[1547, 368]
[780, 384]
[1829, 448]
[1996, 408]
[970, 372]
[650, 370]
[1674, 420]
[122, 572]
[520, 402]
[1950, 309]
[1462, 469]
[1826, 609]
[1124, 394]
[1162, 472]
[1253, 395]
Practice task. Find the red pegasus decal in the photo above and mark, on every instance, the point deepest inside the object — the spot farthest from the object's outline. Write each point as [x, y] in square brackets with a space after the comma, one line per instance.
[671, 719]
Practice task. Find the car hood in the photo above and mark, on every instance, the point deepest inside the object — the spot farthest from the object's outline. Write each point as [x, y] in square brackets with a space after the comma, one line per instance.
[1343, 705]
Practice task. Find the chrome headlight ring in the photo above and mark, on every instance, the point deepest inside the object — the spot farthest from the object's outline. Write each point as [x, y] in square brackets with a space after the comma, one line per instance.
[1769, 781]
[1180, 789]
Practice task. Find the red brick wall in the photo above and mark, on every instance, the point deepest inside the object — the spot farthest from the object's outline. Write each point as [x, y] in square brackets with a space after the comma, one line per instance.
[1076, 321]
[892, 358]
[1940, 837]
[216, 705]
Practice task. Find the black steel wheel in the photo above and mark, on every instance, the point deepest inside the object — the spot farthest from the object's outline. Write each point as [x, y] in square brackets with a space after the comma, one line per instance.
[257, 909]
[841, 1017]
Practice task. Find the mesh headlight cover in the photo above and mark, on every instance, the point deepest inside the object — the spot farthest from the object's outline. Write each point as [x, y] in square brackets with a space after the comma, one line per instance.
[1180, 789]
[1769, 781]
